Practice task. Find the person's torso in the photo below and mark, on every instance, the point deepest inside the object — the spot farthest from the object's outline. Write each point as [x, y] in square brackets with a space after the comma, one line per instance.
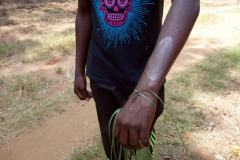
[123, 38]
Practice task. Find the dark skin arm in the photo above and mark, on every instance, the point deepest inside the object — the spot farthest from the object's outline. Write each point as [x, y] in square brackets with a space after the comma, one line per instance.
[83, 36]
[135, 119]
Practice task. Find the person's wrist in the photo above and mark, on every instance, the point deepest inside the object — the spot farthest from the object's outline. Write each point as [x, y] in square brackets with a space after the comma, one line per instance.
[79, 72]
[146, 95]
[153, 88]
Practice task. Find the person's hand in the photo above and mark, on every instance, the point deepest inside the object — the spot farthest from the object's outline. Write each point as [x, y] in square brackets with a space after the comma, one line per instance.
[80, 90]
[134, 121]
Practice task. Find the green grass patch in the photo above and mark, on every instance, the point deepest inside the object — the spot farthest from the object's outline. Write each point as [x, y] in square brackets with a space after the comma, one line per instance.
[39, 49]
[59, 11]
[8, 49]
[61, 43]
[36, 15]
[94, 153]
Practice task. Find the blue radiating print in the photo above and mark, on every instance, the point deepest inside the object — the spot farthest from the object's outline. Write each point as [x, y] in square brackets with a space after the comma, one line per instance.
[122, 34]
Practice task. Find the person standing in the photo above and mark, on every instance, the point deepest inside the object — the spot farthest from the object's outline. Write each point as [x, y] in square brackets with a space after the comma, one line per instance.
[124, 47]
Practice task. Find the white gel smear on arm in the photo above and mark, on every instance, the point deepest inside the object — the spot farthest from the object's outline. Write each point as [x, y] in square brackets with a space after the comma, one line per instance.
[165, 46]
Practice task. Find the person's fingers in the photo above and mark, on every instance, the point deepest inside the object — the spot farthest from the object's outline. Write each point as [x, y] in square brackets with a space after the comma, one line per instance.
[144, 137]
[80, 96]
[134, 140]
[117, 131]
[85, 94]
[89, 94]
[123, 139]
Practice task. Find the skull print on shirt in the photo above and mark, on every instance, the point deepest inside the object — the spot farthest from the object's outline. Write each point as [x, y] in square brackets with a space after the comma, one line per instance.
[121, 20]
[116, 11]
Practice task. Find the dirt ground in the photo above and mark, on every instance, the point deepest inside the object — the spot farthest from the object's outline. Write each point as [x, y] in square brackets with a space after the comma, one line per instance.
[78, 127]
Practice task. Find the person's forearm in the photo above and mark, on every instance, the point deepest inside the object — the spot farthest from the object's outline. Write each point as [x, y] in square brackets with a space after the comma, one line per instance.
[174, 34]
[83, 36]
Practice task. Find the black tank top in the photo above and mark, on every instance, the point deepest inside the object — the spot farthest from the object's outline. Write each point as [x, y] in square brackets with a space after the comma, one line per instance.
[123, 38]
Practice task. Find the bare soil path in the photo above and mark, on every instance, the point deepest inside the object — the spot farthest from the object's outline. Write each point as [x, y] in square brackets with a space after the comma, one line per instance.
[78, 127]
[56, 137]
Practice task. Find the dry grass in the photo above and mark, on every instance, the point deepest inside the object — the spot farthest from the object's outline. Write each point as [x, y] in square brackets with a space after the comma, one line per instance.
[62, 43]
[30, 30]
[33, 50]
[217, 3]
[207, 18]
[232, 10]
[197, 98]
[26, 100]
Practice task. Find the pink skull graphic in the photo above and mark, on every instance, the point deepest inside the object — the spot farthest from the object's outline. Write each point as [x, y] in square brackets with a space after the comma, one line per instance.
[116, 11]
